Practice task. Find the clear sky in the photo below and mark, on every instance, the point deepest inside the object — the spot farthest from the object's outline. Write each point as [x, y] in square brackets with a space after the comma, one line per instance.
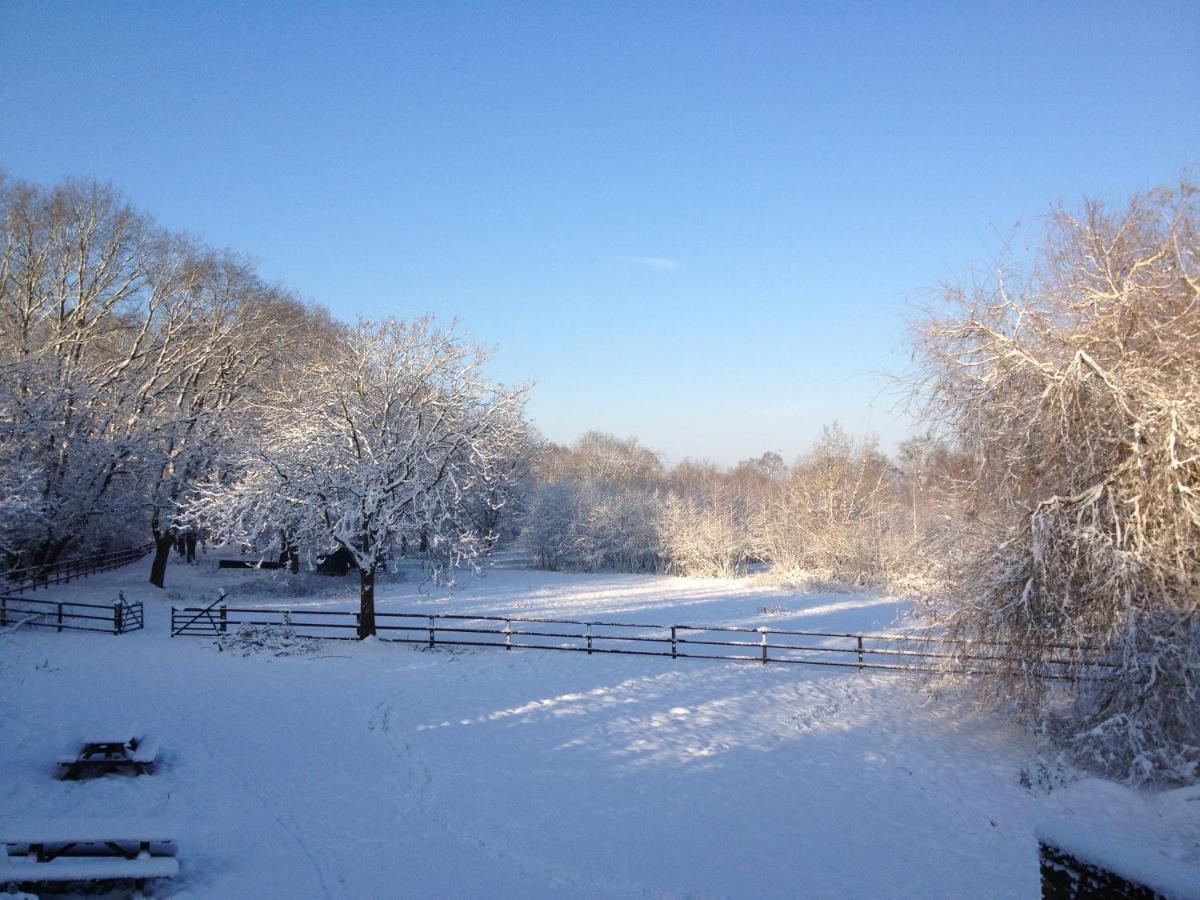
[702, 224]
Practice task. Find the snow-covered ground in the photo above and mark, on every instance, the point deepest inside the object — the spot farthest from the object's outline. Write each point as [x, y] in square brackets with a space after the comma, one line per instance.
[379, 770]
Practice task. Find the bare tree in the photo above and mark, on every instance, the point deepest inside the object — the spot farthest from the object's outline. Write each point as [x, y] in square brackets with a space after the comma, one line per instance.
[1075, 391]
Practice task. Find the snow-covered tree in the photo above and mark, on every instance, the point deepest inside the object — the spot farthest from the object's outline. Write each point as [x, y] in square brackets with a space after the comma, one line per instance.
[239, 334]
[126, 355]
[87, 292]
[496, 508]
[1073, 388]
[385, 439]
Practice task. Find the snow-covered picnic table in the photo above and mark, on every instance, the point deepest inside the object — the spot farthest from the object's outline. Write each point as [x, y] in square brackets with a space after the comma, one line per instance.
[36, 851]
[110, 750]
[1108, 832]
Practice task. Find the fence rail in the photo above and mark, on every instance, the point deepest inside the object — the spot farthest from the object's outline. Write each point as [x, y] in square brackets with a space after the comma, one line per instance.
[887, 652]
[30, 578]
[120, 617]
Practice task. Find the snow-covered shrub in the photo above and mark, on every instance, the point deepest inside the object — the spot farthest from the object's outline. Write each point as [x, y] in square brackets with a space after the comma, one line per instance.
[549, 525]
[596, 508]
[704, 538]
[1075, 391]
[837, 515]
[277, 640]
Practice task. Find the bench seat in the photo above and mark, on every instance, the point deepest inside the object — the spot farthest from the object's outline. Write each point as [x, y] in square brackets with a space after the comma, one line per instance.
[27, 870]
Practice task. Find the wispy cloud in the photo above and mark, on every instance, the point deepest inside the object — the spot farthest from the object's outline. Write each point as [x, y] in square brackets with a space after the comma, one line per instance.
[658, 263]
[789, 410]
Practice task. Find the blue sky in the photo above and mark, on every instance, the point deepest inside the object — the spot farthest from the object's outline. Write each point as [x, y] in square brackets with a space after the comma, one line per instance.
[702, 224]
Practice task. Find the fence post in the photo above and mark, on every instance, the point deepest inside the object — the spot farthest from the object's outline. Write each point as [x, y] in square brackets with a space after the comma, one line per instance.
[3, 612]
[117, 617]
[763, 632]
[589, 638]
[431, 638]
[674, 646]
[222, 617]
[60, 616]
[860, 652]
[507, 635]
[172, 621]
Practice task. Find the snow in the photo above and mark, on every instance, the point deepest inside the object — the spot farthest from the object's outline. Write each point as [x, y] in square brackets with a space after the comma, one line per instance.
[375, 769]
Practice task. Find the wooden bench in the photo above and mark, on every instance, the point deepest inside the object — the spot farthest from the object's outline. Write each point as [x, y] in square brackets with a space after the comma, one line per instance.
[114, 753]
[59, 852]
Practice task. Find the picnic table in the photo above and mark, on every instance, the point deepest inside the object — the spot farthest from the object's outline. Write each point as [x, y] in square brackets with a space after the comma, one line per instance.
[111, 751]
[35, 852]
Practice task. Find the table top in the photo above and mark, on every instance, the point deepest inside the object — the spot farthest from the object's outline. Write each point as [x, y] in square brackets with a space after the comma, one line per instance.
[117, 740]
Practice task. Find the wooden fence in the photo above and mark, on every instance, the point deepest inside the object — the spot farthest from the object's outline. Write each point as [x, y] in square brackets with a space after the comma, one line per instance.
[890, 652]
[120, 617]
[31, 578]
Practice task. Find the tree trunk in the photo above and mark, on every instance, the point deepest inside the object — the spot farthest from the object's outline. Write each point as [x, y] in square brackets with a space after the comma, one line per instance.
[366, 602]
[46, 556]
[289, 555]
[162, 552]
[189, 541]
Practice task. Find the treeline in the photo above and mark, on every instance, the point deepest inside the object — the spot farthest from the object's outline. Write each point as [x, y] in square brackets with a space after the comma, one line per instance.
[129, 354]
[843, 511]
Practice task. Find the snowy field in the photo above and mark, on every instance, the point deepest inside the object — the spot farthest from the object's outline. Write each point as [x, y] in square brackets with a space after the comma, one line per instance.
[380, 770]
